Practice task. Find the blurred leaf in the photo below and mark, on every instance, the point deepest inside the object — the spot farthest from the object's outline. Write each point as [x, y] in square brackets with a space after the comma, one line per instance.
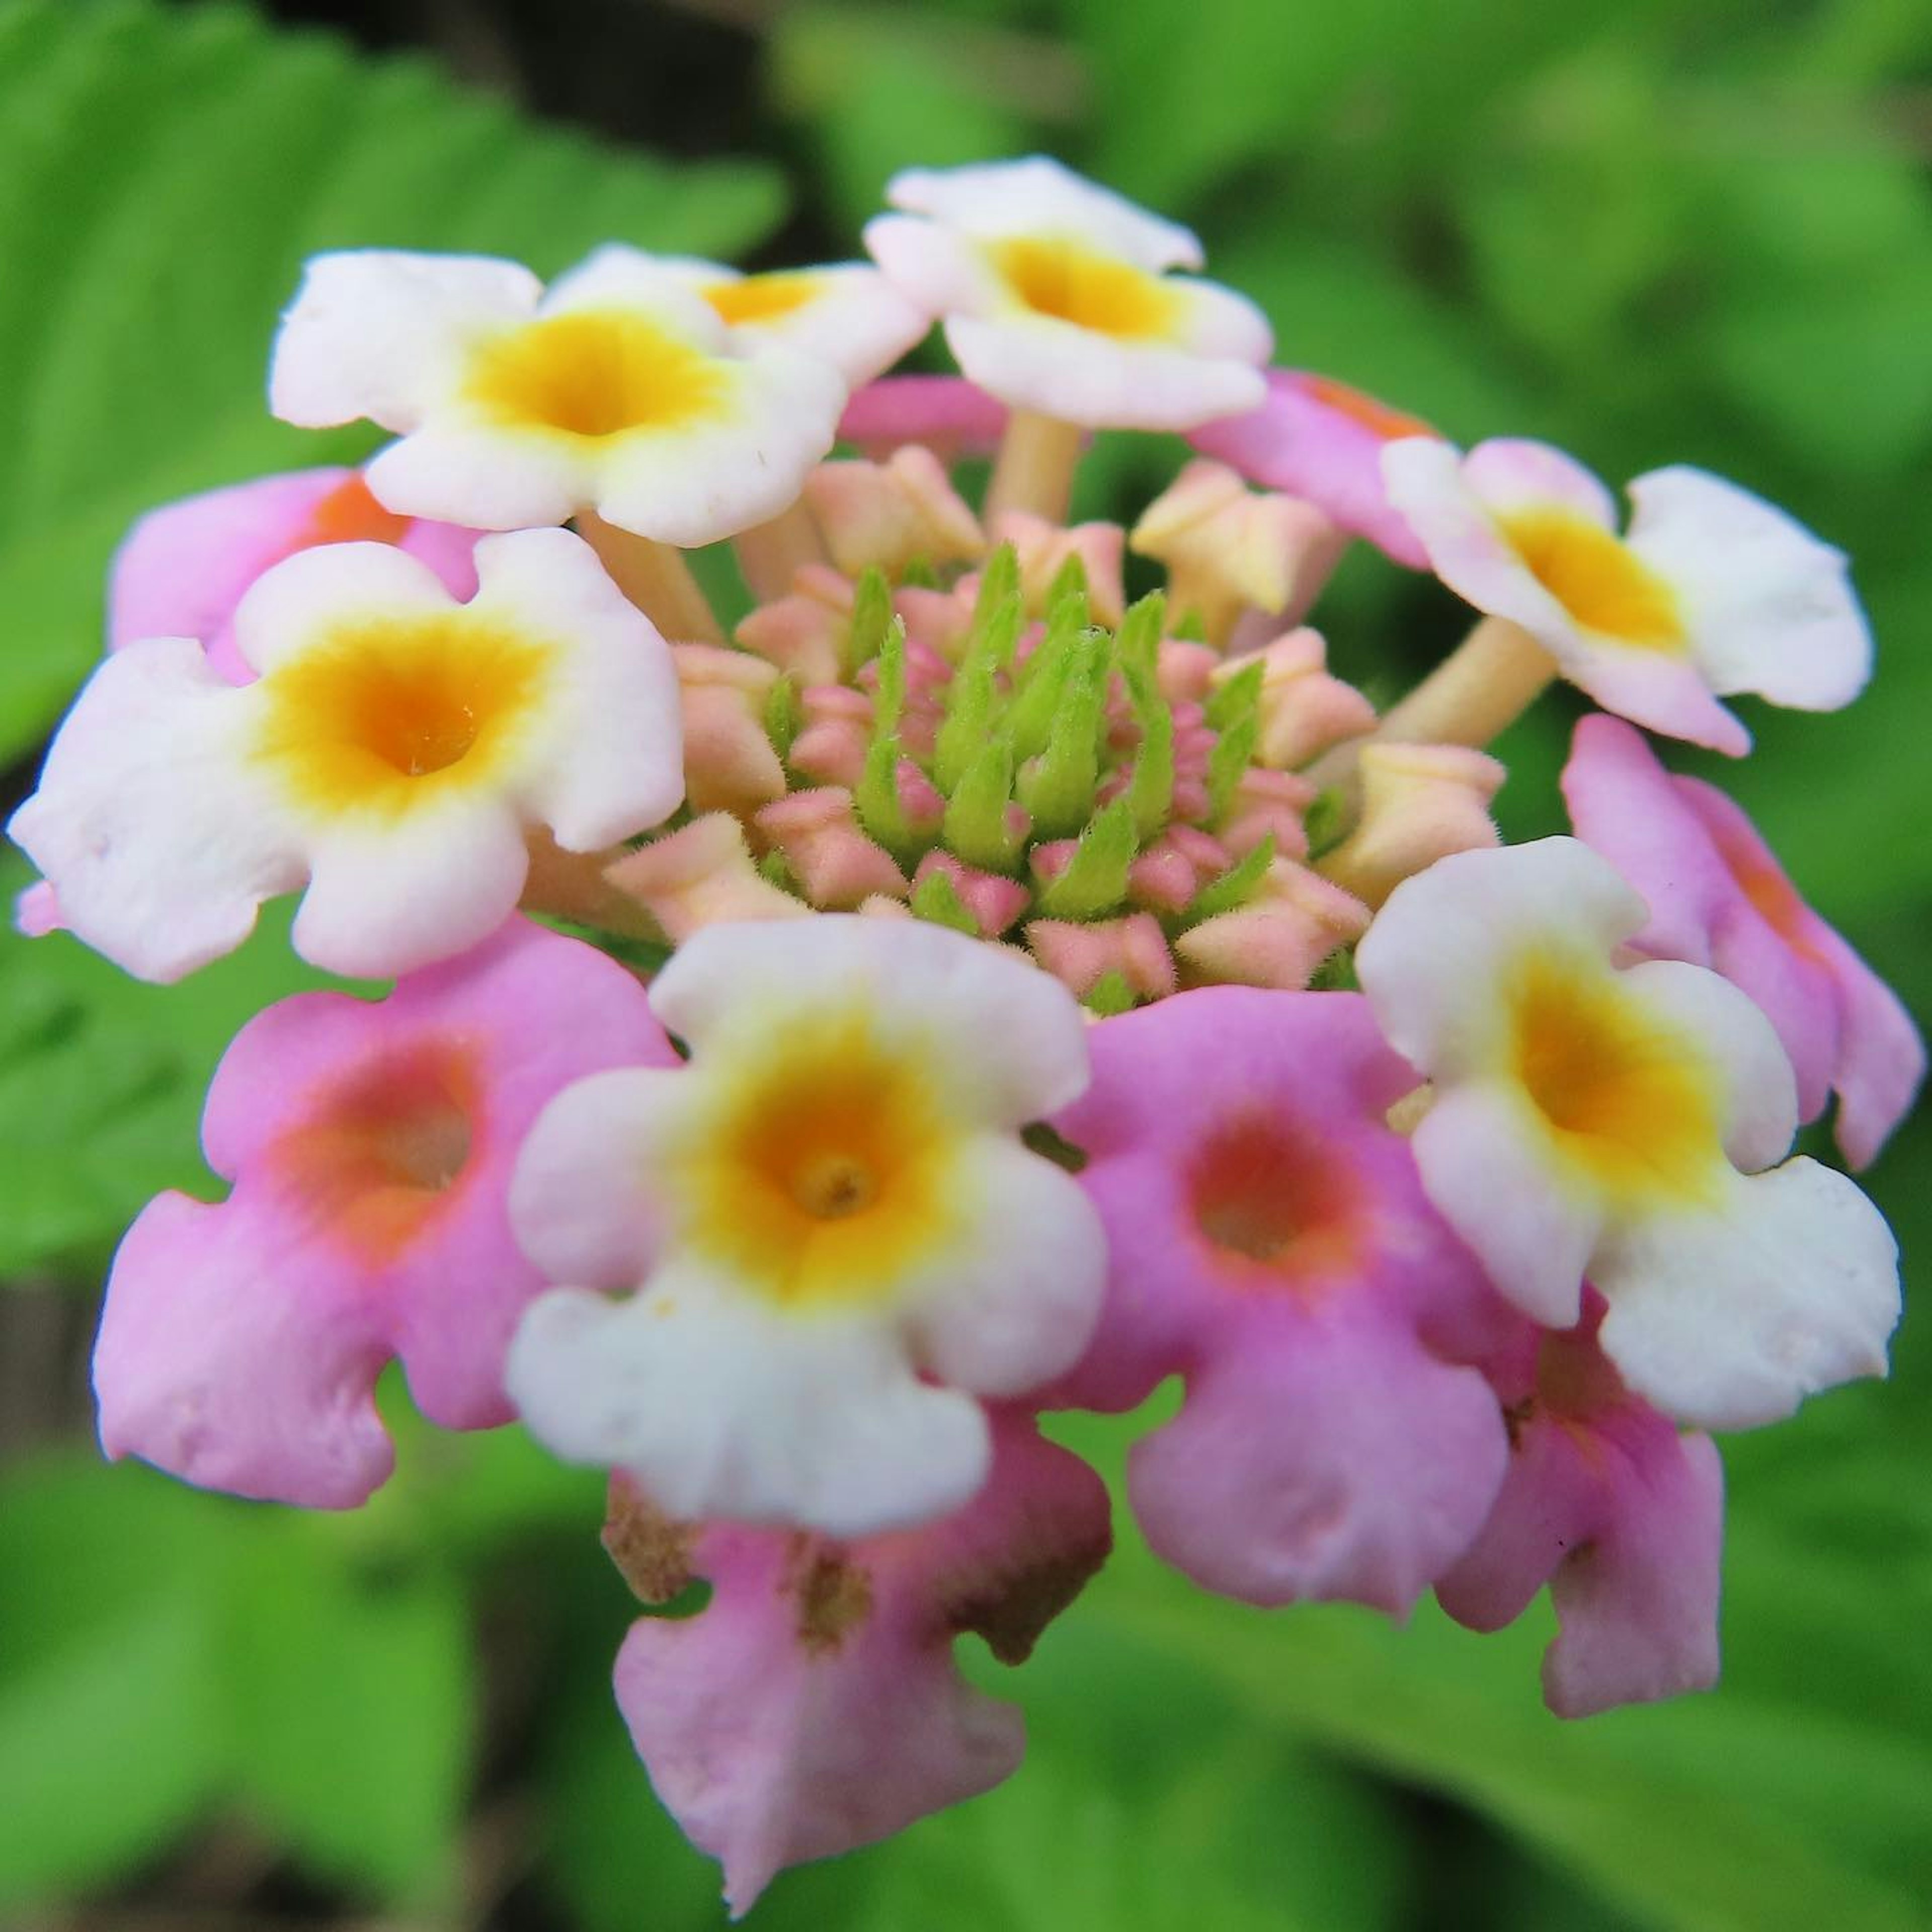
[162, 172]
[353, 1696]
[102, 1078]
[1680, 1813]
[885, 89]
[113, 1735]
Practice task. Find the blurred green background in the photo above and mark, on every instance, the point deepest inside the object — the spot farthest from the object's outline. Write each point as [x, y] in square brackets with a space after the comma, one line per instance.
[1649, 231]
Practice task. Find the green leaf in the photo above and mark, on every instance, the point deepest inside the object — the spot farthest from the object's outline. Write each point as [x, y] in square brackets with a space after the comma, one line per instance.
[113, 1733]
[135, 325]
[353, 1699]
[1688, 1814]
[102, 1079]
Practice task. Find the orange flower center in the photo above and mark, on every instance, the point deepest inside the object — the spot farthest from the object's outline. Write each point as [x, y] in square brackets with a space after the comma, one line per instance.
[384, 1154]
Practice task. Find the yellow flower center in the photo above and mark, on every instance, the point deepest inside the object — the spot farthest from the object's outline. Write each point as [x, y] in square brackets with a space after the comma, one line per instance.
[1629, 1101]
[597, 373]
[761, 298]
[388, 713]
[1595, 577]
[383, 1152]
[1072, 283]
[825, 1171]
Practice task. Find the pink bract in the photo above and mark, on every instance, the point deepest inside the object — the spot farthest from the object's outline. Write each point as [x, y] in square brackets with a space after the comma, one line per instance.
[1619, 1514]
[813, 1706]
[1270, 1242]
[1321, 441]
[1718, 897]
[369, 1144]
[950, 415]
[182, 569]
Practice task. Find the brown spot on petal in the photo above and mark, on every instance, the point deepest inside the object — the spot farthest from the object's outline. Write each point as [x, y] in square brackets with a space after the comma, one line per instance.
[1011, 1607]
[833, 1593]
[652, 1550]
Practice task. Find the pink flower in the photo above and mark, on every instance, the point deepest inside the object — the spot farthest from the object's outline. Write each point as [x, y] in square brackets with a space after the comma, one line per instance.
[369, 1143]
[1321, 441]
[950, 415]
[1622, 1516]
[814, 1706]
[182, 570]
[1270, 1242]
[1718, 897]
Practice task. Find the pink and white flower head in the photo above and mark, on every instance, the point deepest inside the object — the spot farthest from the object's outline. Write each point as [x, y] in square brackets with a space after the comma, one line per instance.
[182, 569]
[620, 389]
[846, 313]
[394, 752]
[369, 1144]
[1621, 1124]
[1321, 441]
[1619, 1514]
[1718, 897]
[1710, 591]
[1269, 1241]
[1057, 297]
[814, 1704]
[841, 1246]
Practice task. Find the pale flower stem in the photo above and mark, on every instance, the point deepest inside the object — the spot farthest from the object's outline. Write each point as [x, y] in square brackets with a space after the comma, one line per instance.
[571, 885]
[772, 553]
[1033, 471]
[656, 578]
[1484, 686]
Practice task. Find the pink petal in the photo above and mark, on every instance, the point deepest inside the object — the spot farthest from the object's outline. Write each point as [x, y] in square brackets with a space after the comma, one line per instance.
[814, 1704]
[1622, 1517]
[947, 413]
[1322, 441]
[1270, 1242]
[369, 1144]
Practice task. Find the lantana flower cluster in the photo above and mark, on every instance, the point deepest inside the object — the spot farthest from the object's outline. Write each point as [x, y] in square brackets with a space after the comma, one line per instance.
[820, 1048]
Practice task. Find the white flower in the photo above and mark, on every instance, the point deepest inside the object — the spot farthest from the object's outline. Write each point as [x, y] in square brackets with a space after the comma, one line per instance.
[840, 1244]
[620, 389]
[394, 753]
[1056, 297]
[843, 313]
[1588, 1121]
[1711, 591]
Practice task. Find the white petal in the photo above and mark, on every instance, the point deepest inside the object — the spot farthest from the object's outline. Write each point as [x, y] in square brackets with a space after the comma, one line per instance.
[1040, 196]
[1769, 607]
[619, 277]
[297, 604]
[1728, 1319]
[722, 1408]
[941, 271]
[581, 1198]
[698, 485]
[1433, 961]
[459, 470]
[1510, 475]
[378, 333]
[1761, 1091]
[388, 894]
[1485, 1163]
[1079, 375]
[1426, 483]
[612, 762]
[1017, 1304]
[854, 319]
[156, 834]
[1008, 1040]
